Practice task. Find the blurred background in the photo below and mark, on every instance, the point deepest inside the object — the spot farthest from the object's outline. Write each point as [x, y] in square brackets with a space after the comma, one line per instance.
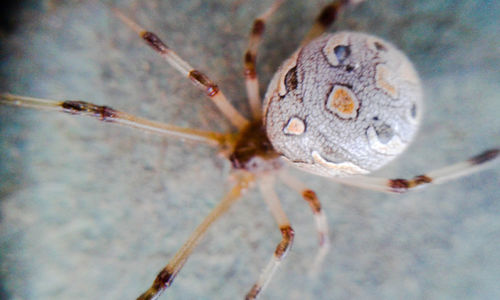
[93, 210]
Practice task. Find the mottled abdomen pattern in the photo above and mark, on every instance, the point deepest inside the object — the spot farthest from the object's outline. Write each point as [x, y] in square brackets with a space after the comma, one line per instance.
[344, 104]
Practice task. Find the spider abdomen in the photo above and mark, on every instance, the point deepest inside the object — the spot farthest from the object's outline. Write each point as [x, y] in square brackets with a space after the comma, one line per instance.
[344, 104]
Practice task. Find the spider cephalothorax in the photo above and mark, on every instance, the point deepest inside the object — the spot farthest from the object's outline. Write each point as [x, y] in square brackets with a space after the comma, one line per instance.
[253, 151]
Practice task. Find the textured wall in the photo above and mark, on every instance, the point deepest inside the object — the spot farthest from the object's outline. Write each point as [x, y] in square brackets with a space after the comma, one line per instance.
[92, 210]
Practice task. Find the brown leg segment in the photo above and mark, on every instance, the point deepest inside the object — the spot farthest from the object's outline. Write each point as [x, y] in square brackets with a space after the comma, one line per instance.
[166, 276]
[108, 114]
[250, 57]
[199, 79]
[328, 15]
[287, 235]
[439, 176]
[319, 217]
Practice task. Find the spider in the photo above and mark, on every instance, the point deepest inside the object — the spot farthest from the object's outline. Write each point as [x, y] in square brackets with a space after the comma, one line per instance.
[322, 200]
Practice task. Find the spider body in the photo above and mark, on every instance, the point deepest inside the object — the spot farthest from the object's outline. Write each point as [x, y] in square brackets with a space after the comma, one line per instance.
[250, 151]
[343, 104]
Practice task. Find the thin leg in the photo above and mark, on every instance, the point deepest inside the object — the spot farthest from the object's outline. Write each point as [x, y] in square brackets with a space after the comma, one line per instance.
[287, 233]
[250, 57]
[439, 176]
[108, 114]
[199, 79]
[319, 217]
[326, 17]
[166, 276]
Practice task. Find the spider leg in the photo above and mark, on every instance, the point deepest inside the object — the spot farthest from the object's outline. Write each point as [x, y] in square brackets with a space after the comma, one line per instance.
[319, 217]
[166, 276]
[108, 114]
[438, 176]
[199, 79]
[272, 200]
[250, 57]
[327, 17]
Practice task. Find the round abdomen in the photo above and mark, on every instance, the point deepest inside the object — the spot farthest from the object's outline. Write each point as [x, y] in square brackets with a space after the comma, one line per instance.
[344, 104]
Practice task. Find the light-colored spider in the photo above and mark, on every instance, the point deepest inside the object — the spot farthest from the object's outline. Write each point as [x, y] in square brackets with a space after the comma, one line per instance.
[296, 129]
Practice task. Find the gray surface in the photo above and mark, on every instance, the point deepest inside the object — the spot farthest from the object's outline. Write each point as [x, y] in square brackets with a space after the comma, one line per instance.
[91, 210]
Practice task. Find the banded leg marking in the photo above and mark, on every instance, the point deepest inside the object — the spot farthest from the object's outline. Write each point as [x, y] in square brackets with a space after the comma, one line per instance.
[250, 57]
[199, 79]
[166, 276]
[108, 114]
[266, 186]
[319, 218]
[438, 176]
[327, 17]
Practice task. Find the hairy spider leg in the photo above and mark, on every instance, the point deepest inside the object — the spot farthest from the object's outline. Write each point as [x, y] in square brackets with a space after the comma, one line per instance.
[266, 186]
[198, 78]
[166, 276]
[439, 176]
[328, 15]
[108, 114]
[250, 58]
[320, 219]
